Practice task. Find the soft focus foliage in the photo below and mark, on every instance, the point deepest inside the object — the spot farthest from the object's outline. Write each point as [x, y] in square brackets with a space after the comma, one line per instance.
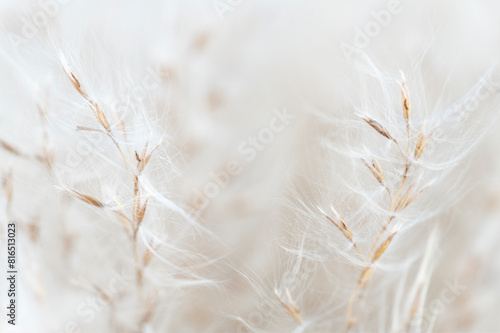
[252, 166]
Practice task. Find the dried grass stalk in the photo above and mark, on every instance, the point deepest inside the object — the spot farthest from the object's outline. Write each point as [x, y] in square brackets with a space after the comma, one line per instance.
[397, 204]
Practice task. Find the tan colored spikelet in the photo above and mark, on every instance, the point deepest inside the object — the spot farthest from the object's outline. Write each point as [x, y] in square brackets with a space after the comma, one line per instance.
[410, 200]
[405, 96]
[76, 83]
[405, 173]
[343, 228]
[422, 142]
[148, 157]
[136, 186]
[47, 152]
[141, 211]
[381, 249]
[376, 170]
[99, 114]
[379, 128]
[85, 198]
[403, 201]
[144, 158]
[83, 128]
[141, 159]
[419, 147]
[290, 306]
[140, 162]
[346, 231]
[9, 148]
[137, 207]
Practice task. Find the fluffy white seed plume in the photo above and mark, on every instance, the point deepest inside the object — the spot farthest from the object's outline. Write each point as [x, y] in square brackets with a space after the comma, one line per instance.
[236, 166]
[378, 220]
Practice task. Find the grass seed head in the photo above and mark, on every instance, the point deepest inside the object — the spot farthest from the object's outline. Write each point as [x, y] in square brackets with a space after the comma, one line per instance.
[76, 83]
[9, 148]
[378, 127]
[405, 96]
[85, 198]
[410, 200]
[403, 201]
[376, 170]
[141, 211]
[381, 249]
[99, 114]
[342, 227]
[419, 147]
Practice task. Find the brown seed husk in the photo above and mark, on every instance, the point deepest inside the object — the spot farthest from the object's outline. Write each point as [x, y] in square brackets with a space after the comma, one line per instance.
[86, 198]
[381, 249]
[378, 127]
